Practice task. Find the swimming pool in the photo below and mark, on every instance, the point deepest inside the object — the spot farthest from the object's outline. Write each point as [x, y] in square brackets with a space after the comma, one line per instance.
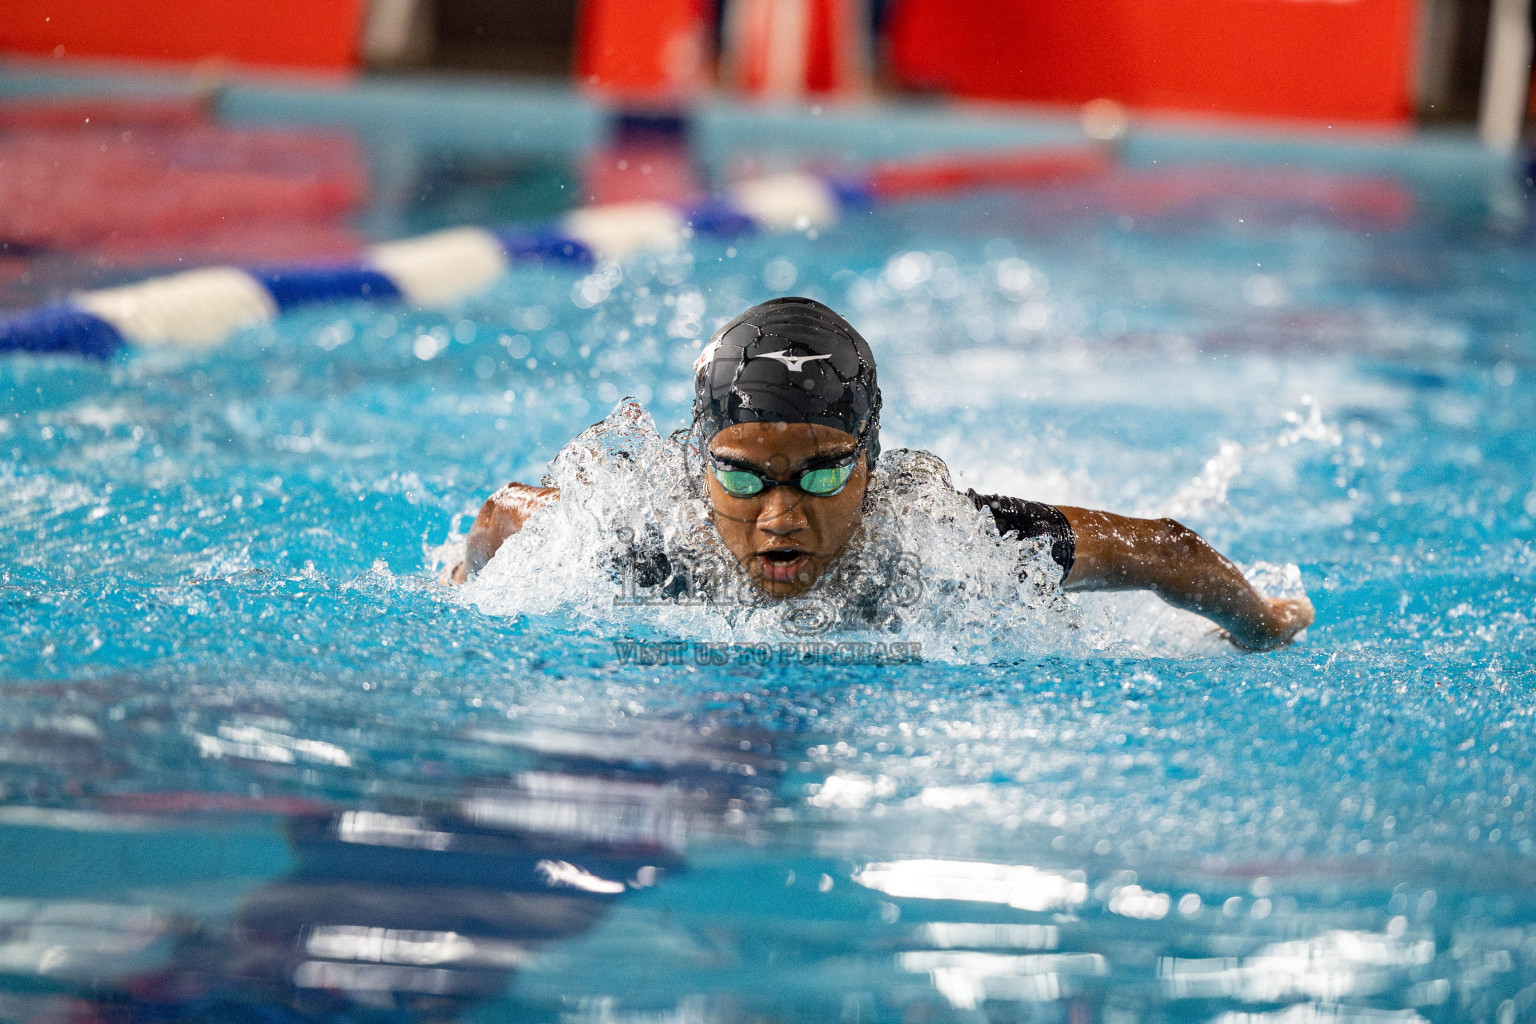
[258, 764]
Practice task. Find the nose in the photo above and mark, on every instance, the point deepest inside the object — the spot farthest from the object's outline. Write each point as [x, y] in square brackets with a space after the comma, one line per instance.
[783, 512]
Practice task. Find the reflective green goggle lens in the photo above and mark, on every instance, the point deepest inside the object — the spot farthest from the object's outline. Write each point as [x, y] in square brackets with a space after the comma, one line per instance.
[820, 483]
[738, 483]
[825, 482]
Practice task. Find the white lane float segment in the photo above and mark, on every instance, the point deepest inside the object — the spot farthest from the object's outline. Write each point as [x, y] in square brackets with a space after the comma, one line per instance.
[616, 230]
[442, 266]
[195, 309]
[786, 202]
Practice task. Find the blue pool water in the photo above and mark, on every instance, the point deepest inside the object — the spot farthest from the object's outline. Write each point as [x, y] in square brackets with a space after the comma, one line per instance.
[257, 764]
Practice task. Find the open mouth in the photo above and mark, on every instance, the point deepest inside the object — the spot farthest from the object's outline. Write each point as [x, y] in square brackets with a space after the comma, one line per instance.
[782, 565]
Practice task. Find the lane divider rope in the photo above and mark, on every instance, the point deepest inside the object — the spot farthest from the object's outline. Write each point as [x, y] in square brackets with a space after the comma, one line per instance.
[202, 308]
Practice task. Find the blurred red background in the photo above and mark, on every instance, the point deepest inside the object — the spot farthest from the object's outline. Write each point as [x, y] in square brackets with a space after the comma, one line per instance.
[280, 33]
[1315, 59]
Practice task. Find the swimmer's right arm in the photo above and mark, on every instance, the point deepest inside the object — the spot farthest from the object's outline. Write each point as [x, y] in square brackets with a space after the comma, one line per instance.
[502, 515]
[1116, 552]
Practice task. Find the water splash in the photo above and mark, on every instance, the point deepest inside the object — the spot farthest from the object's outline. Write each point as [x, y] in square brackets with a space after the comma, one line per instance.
[1208, 490]
[630, 546]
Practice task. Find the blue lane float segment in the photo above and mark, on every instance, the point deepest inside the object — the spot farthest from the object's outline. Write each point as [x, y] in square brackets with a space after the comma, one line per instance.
[60, 328]
[291, 287]
[720, 218]
[523, 243]
[851, 192]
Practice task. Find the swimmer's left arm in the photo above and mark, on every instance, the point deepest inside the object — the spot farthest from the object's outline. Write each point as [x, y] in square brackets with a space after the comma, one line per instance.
[1162, 555]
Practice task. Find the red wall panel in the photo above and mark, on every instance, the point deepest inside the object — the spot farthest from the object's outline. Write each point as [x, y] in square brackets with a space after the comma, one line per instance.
[284, 33]
[1315, 59]
[653, 49]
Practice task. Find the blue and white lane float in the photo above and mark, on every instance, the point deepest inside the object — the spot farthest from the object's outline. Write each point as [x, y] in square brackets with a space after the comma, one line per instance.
[201, 308]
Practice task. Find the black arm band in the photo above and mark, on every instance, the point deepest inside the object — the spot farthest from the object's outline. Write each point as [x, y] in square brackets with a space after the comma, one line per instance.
[1029, 519]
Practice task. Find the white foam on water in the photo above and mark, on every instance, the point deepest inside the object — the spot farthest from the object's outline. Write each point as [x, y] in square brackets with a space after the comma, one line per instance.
[1208, 489]
[443, 558]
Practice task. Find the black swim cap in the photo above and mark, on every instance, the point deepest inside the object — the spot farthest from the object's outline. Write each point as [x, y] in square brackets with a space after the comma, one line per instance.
[788, 360]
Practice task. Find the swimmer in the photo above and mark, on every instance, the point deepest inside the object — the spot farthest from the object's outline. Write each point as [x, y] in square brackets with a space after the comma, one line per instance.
[787, 403]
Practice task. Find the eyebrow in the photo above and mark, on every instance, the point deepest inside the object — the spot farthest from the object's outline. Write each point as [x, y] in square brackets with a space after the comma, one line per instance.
[804, 465]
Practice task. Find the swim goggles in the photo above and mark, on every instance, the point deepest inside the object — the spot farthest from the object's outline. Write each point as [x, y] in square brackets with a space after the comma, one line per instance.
[821, 482]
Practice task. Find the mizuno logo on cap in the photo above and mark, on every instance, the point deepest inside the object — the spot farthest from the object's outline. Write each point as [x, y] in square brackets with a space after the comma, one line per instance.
[793, 362]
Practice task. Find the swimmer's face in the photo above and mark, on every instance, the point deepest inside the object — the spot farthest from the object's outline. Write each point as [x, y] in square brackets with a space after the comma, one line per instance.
[784, 537]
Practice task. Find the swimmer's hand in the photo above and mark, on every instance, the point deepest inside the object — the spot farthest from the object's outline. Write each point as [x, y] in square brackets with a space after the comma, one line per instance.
[1116, 552]
[502, 515]
[1288, 616]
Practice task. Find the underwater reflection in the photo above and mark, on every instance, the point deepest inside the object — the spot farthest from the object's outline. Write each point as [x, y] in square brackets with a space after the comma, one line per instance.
[421, 907]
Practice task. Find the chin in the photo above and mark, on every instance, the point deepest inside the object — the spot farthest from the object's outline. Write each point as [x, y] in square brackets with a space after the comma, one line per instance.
[773, 588]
